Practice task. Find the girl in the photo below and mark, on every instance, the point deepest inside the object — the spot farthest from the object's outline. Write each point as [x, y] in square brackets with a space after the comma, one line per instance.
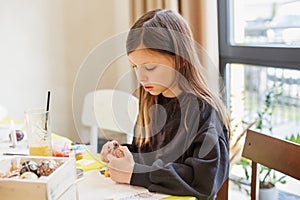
[180, 145]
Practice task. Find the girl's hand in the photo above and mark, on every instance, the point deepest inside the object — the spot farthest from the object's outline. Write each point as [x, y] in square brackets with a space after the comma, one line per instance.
[121, 168]
[108, 148]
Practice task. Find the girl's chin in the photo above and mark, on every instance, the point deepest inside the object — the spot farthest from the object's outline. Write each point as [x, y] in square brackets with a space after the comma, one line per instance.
[166, 94]
[154, 93]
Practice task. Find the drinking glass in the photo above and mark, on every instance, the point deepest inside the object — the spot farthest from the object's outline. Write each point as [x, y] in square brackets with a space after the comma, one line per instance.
[38, 132]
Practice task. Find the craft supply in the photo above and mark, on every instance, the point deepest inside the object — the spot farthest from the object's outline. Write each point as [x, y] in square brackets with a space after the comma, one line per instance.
[29, 175]
[47, 110]
[47, 167]
[29, 166]
[13, 134]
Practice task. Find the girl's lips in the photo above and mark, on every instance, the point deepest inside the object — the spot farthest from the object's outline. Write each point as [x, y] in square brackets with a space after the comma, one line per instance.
[148, 88]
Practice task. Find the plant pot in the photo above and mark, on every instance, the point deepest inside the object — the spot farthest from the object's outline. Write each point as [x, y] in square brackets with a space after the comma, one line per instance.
[268, 193]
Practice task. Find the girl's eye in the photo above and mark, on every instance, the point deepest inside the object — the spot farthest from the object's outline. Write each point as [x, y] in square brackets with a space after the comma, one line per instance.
[150, 68]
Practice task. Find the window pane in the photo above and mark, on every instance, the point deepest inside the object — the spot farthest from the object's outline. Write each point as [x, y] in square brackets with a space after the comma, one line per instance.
[266, 93]
[266, 23]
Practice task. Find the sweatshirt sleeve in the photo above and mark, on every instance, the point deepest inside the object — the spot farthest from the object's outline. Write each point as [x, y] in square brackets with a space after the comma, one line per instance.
[202, 171]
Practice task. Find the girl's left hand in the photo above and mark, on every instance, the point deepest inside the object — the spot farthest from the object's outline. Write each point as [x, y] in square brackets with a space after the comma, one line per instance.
[121, 168]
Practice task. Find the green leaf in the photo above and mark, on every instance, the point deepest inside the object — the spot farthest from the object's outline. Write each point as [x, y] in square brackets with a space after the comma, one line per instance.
[294, 138]
[298, 139]
[283, 182]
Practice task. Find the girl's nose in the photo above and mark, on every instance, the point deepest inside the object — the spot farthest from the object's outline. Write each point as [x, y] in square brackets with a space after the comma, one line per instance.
[141, 75]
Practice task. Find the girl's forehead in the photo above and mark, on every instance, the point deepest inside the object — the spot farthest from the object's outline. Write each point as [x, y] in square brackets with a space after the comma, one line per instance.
[142, 53]
[144, 56]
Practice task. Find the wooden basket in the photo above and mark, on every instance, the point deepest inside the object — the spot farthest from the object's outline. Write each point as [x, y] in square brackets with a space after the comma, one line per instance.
[60, 185]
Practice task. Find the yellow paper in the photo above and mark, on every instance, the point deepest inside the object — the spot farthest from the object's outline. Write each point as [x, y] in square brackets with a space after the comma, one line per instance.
[178, 197]
[90, 161]
[55, 136]
[7, 120]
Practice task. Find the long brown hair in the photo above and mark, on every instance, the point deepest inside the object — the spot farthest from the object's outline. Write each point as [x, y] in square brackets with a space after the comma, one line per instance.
[167, 32]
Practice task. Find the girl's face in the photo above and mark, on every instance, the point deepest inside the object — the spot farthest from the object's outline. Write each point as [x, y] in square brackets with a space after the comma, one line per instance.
[155, 71]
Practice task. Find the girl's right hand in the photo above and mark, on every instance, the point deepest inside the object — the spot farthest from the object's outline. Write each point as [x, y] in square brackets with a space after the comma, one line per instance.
[108, 148]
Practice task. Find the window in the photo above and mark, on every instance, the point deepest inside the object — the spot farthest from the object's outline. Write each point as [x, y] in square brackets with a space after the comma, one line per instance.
[259, 47]
[260, 56]
[266, 23]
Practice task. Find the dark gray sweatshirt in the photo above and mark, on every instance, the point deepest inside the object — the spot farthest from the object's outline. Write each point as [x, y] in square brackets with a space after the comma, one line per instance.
[188, 155]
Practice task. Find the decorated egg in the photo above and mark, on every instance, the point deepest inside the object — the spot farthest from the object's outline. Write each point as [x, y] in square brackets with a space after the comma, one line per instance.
[29, 175]
[118, 153]
[19, 135]
[29, 166]
[47, 167]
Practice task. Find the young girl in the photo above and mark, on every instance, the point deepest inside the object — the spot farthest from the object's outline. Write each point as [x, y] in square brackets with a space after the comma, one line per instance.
[180, 145]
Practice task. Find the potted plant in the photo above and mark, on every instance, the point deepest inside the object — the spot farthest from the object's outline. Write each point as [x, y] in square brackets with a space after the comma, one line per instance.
[264, 121]
[267, 182]
[268, 178]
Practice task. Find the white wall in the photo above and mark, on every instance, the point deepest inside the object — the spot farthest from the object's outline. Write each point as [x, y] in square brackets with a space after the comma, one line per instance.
[88, 24]
[43, 43]
[32, 56]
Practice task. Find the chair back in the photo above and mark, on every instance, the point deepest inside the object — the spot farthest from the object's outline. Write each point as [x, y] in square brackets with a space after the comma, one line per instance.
[223, 192]
[108, 109]
[272, 152]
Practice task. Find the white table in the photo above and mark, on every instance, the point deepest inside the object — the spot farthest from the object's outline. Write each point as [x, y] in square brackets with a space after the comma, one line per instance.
[93, 185]
[6, 148]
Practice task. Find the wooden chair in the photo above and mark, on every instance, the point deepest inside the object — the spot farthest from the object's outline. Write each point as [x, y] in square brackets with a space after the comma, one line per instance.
[223, 192]
[280, 155]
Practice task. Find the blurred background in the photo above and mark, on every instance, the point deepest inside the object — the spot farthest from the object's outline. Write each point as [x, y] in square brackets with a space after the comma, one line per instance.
[44, 43]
